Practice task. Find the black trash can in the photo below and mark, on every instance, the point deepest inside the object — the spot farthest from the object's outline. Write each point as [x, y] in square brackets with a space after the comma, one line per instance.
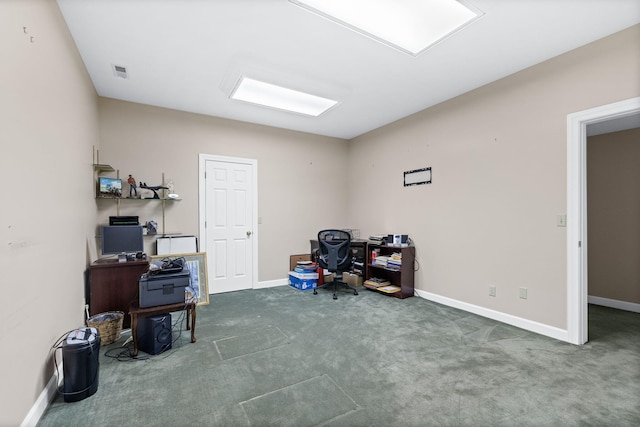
[81, 363]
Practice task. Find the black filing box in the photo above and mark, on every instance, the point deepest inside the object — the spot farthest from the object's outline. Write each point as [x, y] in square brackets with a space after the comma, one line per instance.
[162, 289]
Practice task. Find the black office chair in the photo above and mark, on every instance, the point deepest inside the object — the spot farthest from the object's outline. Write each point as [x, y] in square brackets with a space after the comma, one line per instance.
[335, 256]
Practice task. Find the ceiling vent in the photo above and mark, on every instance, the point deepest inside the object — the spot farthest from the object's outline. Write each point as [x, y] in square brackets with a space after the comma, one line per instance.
[120, 71]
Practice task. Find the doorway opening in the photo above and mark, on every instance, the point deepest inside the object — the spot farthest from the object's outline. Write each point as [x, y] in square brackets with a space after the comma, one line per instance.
[577, 287]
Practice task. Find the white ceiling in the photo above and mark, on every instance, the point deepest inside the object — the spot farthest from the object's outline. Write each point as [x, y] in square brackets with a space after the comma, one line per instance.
[188, 55]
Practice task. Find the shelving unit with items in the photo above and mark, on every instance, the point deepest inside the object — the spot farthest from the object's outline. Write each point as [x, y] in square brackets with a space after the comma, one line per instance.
[115, 195]
[390, 270]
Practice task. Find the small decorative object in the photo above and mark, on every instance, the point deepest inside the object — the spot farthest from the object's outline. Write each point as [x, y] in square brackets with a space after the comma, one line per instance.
[109, 187]
[146, 193]
[171, 189]
[154, 189]
[152, 227]
[132, 186]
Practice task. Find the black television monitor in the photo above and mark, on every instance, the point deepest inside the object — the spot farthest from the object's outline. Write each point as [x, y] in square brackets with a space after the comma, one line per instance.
[122, 239]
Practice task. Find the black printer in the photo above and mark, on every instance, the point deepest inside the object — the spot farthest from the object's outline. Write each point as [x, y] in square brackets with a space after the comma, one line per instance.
[163, 289]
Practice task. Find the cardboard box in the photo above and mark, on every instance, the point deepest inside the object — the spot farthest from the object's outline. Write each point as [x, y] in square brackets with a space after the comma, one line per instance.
[325, 278]
[293, 260]
[303, 281]
[351, 279]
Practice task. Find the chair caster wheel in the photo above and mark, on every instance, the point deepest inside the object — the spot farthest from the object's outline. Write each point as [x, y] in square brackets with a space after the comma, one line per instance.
[315, 292]
[355, 292]
[335, 296]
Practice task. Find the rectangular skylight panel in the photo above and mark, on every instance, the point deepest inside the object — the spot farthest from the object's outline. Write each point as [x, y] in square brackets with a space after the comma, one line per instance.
[409, 25]
[270, 95]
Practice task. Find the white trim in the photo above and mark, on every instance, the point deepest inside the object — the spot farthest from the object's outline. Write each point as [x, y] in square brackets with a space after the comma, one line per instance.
[202, 159]
[614, 303]
[577, 281]
[528, 325]
[272, 283]
[42, 403]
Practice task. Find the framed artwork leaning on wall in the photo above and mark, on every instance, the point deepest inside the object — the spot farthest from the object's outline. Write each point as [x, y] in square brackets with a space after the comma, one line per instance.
[196, 263]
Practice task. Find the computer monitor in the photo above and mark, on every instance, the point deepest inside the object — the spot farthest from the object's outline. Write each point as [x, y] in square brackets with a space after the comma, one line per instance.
[122, 239]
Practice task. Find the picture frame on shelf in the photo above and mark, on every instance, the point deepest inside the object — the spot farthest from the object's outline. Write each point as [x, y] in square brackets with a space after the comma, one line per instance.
[196, 263]
[110, 188]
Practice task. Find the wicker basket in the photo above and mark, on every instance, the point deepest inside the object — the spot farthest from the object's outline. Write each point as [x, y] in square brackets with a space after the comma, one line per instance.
[109, 325]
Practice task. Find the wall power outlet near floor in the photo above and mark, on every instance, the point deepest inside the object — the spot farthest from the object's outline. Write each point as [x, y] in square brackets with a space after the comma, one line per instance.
[523, 293]
[492, 291]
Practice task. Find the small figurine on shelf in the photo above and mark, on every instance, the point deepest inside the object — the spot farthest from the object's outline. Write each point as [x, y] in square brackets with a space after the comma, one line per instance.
[171, 189]
[133, 188]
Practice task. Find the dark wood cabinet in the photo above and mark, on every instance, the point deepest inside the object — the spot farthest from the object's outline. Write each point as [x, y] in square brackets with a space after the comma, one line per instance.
[402, 277]
[113, 286]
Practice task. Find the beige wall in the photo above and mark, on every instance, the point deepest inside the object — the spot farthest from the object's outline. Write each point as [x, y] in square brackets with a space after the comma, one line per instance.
[48, 124]
[613, 186]
[499, 180]
[301, 180]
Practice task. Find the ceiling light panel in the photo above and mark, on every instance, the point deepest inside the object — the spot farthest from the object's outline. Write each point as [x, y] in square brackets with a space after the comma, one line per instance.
[281, 98]
[409, 25]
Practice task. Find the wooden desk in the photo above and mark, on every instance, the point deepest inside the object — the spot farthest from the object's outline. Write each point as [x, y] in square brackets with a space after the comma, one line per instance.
[135, 311]
[113, 285]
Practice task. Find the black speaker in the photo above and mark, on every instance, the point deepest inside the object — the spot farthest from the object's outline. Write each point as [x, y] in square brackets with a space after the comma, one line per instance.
[154, 334]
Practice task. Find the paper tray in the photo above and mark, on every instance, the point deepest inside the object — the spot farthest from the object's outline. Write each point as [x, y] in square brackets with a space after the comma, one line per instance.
[388, 289]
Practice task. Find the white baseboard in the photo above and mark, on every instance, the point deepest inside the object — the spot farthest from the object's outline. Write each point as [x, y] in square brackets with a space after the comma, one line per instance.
[272, 283]
[529, 325]
[43, 401]
[613, 303]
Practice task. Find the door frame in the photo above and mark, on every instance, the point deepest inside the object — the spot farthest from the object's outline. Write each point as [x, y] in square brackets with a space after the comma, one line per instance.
[577, 262]
[202, 214]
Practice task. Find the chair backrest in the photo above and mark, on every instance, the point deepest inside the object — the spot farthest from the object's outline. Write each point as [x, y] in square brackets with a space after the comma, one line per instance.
[335, 253]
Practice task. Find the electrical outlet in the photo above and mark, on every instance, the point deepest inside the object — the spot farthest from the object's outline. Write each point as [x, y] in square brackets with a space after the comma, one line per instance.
[523, 293]
[492, 291]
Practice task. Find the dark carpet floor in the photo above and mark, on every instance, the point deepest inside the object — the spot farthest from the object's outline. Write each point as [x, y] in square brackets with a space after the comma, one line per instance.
[284, 357]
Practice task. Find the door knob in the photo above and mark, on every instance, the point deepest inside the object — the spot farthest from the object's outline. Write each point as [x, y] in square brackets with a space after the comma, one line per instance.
[248, 233]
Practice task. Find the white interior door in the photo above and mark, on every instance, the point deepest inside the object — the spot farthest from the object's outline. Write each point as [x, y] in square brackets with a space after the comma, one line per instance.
[228, 232]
